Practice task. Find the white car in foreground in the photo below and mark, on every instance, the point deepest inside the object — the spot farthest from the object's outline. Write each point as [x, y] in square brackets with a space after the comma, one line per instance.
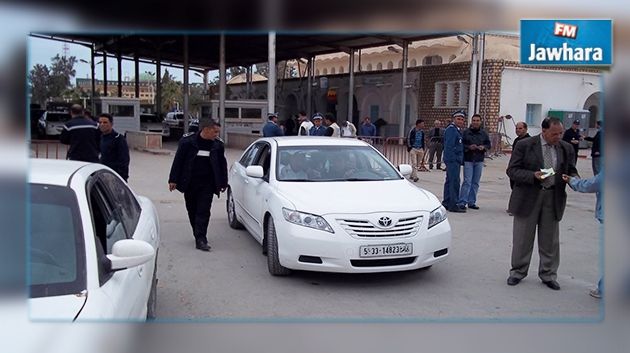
[334, 205]
[93, 245]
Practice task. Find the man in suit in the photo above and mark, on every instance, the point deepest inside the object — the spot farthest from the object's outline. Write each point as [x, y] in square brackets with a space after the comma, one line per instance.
[538, 200]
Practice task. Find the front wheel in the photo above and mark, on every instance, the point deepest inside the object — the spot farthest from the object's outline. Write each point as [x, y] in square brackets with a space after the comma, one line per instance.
[273, 261]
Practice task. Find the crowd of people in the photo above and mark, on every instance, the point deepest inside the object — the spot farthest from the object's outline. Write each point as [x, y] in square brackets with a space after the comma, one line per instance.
[95, 141]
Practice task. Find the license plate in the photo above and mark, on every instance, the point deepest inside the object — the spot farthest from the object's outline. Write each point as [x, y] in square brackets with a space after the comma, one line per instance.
[386, 250]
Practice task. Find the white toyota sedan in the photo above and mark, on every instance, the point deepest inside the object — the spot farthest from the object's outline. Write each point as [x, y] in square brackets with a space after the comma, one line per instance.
[334, 205]
[93, 245]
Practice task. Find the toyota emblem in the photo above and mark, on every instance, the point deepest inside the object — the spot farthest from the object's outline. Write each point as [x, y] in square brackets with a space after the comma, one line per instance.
[385, 222]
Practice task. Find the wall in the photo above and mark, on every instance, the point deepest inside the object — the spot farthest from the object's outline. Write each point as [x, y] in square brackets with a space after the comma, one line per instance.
[552, 89]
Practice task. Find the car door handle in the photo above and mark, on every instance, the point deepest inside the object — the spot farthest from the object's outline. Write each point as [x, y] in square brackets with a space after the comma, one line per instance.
[246, 181]
[140, 270]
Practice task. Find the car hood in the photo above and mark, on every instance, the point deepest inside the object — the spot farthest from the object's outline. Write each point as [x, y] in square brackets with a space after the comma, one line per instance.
[358, 197]
[62, 307]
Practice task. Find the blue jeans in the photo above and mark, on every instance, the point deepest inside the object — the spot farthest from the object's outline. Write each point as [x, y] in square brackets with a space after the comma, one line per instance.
[451, 185]
[472, 175]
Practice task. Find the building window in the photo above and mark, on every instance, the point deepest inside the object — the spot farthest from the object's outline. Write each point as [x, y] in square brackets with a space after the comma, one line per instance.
[400, 64]
[333, 71]
[379, 66]
[374, 112]
[413, 63]
[317, 72]
[325, 71]
[451, 94]
[340, 69]
[533, 114]
[369, 67]
[390, 65]
[432, 60]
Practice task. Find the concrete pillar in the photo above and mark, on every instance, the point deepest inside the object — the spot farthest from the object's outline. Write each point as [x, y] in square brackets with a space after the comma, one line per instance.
[222, 87]
[186, 89]
[403, 91]
[271, 80]
[351, 86]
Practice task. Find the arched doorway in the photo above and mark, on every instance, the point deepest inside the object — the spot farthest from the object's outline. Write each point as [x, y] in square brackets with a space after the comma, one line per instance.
[592, 105]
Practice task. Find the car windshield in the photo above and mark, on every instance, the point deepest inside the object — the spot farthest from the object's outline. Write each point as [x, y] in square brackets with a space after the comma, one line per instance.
[57, 253]
[332, 163]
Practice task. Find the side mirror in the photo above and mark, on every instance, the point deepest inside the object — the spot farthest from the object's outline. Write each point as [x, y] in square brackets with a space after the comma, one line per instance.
[405, 169]
[254, 171]
[128, 253]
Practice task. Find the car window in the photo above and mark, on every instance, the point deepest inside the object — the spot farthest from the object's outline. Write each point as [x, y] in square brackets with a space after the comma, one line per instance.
[332, 163]
[56, 244]
[248, 158]
[122, 201]
[264, 160]
[61, 117]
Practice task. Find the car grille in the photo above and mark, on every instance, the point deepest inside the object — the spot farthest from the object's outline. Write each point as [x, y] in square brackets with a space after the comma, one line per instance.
[366, 229]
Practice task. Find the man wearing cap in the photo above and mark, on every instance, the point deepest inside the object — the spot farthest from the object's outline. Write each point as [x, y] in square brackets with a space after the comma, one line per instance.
[596, 149]
[453, 158]
[318, 129]
[572, 136]
[271, 128]
[305, 124]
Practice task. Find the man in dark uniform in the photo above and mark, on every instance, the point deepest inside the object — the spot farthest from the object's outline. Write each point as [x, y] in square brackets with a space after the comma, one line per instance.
[82, 135]
[572, 136]
[317, 129]
[114, 149]
[271, 127]
[199, 170]
[596, 149]
[454, 159]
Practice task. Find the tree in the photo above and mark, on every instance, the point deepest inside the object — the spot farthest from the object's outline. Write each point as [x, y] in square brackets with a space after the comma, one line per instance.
[61, 73]
[235, 71]
[39, 80]
[262, 69]
[171, 92]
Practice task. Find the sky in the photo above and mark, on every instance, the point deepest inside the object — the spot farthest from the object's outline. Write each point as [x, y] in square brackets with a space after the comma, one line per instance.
[41, 51]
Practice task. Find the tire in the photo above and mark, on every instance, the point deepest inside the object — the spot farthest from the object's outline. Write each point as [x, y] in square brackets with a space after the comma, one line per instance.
[231, 212]
[152, 302]
[273, 262]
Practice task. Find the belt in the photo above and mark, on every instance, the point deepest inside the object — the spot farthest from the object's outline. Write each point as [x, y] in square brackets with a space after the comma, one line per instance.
[551, 187]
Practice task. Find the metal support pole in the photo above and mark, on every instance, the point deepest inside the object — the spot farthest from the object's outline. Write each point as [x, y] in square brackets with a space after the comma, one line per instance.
[351, 85]
[271, 81]
[136, 69]
[472, 89]
[119, 60]
[158, 86]
[222, 87]
[482, 45]
[186, 88]
[403, 91]
[92, 66]
[309, 89]
[105, 74]
[248, 79]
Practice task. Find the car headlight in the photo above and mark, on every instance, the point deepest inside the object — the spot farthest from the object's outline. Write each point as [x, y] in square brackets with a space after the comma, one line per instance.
[306, 220]
[437, 216]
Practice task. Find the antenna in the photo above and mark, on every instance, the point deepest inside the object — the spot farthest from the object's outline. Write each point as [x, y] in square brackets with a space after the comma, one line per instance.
[65, 49]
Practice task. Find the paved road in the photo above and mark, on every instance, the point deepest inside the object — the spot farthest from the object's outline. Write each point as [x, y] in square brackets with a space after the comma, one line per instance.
[231, 283]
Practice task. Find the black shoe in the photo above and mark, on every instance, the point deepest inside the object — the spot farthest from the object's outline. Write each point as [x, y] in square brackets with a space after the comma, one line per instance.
[430, 166]
[552, 284]
[512, 281]
[203, 246]
[457, 210]
[474, 207]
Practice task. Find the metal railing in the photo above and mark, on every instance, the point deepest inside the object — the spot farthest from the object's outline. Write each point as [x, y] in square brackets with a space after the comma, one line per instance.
[393, 148]
[48, 149]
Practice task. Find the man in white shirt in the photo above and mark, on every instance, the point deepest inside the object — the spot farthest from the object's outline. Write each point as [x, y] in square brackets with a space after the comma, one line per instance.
[305, 124]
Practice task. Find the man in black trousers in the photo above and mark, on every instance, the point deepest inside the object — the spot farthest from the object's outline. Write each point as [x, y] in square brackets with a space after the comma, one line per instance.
[199, 170]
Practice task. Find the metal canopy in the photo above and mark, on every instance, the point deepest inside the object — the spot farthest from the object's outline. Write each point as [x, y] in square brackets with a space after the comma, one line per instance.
[241, 49]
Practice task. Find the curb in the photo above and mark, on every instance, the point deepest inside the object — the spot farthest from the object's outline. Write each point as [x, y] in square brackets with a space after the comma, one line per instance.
[154, 151]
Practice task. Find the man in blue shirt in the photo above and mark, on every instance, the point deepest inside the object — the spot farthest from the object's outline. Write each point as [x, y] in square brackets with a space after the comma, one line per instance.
[367, 128]
[415, 147]
[453, 158]
[271, 128]
[318, 129]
